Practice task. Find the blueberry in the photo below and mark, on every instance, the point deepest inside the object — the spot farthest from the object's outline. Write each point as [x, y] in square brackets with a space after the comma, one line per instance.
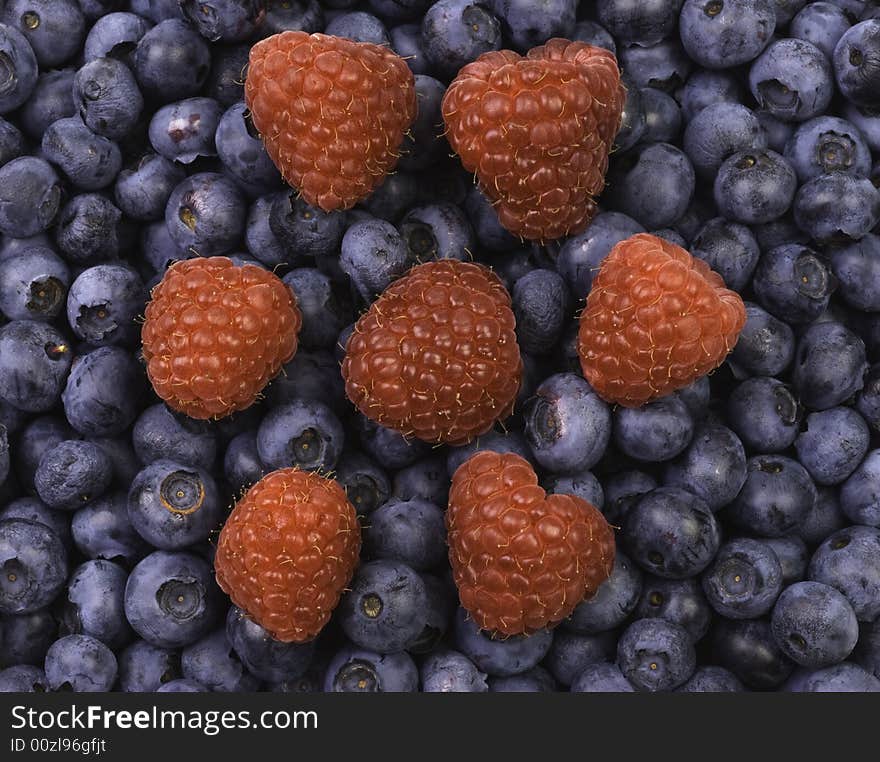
[837, 207]
[406, 41]
[594, 34]
[426, 479]
[390, 449]
[356, 670]
[681, 602]
[722, 33]
[33, 284]
[212, 663]
[115, 35]
[34, 364]
[764, 414]
[12, 144]
[161, 433]
[744, 580]
[793, 556]
[304, 229]
[103, 304]
[261, 242]
[264, 657]
[728, 248]
[409, 531]
[541, 305]
[754, 186]
[845, 561]
[324, 311]
[34, 564]
[72, 473]
[359, 26]
[102, 395]
[614, 601]
[663, 119]
[94, 604]
[186, 130]
[828, 144]
[144, 668]
[571, 652]
[242, 466]
[777, 131]
[437, 231]
[866, 121]
[765, 346]
[373, 255]
[643, 22]
[867, 651]
[868, 399]
[30, 195]
[91, 229]
[451, 672]
[18, 69]
[526, 28]
[566, 424]
[225, 82]
[303, 433]
[89, 161]
[241, 150]
[39, 435]
[621, 491]
[534, 680]
[860, 493]
[833, 444]
[633, 121]
[23, 678]
[855, 65]
[705, 87]
[719, 130]
[206, 213]
[307, 15]
[51, 100]
[27, 637]
[601, 677]
[393, 197]
[224, 20]
[495, 441]
[792, 79]
[102, 530]
[500, 656]
[654, 432]
[711, 679]
[171, 599]
[829, 365]
[821, 23]
[855, 265]
[824, 519]
[34, 509]
[171, 61]
[663, 65]
[583, 484]
[80, 663]
[655, 655]
[748, 649]
[840, 678]
[107, 97]
[423, 146]
[792, 283]
[485, 222]
[455, 32]
[181, 685]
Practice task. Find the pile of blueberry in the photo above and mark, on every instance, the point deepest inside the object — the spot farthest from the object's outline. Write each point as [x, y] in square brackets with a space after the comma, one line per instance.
[748, 504]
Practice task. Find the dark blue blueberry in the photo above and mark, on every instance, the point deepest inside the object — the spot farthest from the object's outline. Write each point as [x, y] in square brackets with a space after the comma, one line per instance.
[72, 473]
[728, 248]
[824, 519]
[107, 97]
[181, 685]
[621, 490]
[614, 601]
[206, 213]
[583, 484]
[94, 604]
[12, 144]
[748, 649]
[814, 624]
[34, 364]
[776, 497]
[699, 212]
[388, 10]
[36, 437]
[302, 433]
[261, 242]
[171, 61]
[55, 29]
[663, 118]
[663, 65]
[534, 680]
[23, 678]
[484, 221]
[103, 304]
[51, 100]
[384, 609]
[764, 414]
[357, 670]
[159, 249]
[225, 83]
[633, 122]
[527, 27]
[173, 505]
[373, 255]
[837, 207]
[496, 655]
[541, 305]
[570, 653]
[34, 509]
[828, 144]
[27, 637]
[860, 493]
[845, 677]
[765, 346]
[91, 229]
[30, 196]
[595, 34]
[744, 580]
[653, 184]
[102, 396]
[144, 668]
[80, 663]
[89, 161]
[642, 22]
[792, 79]
[171, 599]
[409, 531]
[360, 27]
[305, 230]
[406, 41]
[451, 672]
[264, 657]
[224, 20]
[160, 433]
[33, 284]
[719, 130]
[102, 530]
[566, 424]
[867, 651]
[185, 130]
[681, 602]
[856, 67]
[122, 456]
[241, 150]
[442, 599]
[671, 533]
[754, 186]
[719, 34]
[393, 197]
[846, 561]
[426, 479]
[655, 655]
[115, 35]
[242, 466]
[867, 121]
[423, 145]
[34, 564]
[829, 366]
[705, 87]
[18, 69]
[511, 441]
[310, 375]
[792, 283]
[793, 556]
[711, 679]
[212, 663]
[601, 677]
[580, 256]
[856, 265]
[823, 24]
[437, 231]
[654, 432]
[390, 449]
[833, 444]
[455, 32]
[778, 132]
[305, 15]
[868, 399]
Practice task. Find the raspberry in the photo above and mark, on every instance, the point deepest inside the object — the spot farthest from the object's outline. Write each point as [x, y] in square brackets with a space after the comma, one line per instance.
[537, 131]
[287, 551]
[656, 320]
[332, 113]
[215, 334]
[436, 356]
[522, 559]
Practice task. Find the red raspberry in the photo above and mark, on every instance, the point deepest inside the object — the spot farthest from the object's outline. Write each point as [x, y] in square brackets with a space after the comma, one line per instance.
[287, 552]
[215, 334]
[656, 319]
[522, 559]
[537, 131]
[332, 113]
[436, 356]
